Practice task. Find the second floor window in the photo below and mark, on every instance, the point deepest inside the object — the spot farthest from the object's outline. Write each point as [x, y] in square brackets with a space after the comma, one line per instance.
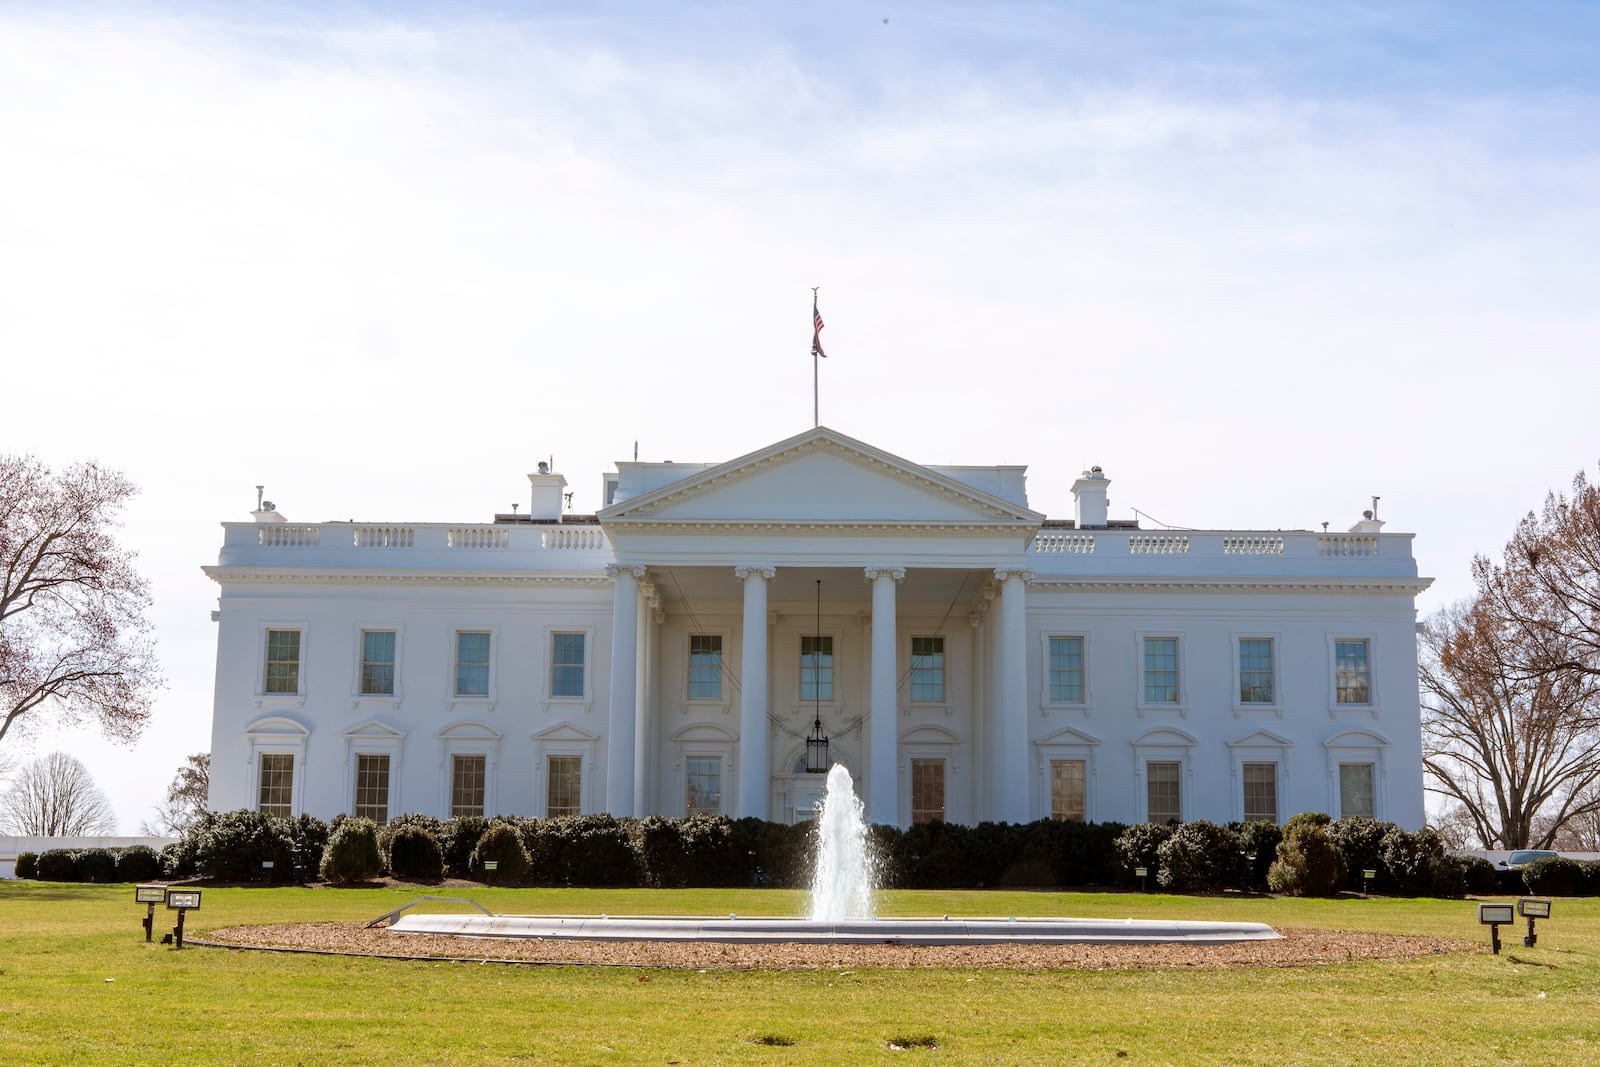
[283, 662]
[1160, 670]
[927, 668]
[816, 668]
[1255, 671]
[1066, 670]
[1353, 672]
[377, 662]
[705, 666]
[566, 665]
[472, 664]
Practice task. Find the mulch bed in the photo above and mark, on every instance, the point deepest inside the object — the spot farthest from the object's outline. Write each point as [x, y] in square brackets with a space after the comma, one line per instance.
[1298, 948]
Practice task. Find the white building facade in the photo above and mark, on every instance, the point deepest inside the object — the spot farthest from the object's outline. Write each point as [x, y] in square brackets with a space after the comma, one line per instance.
[968, 658]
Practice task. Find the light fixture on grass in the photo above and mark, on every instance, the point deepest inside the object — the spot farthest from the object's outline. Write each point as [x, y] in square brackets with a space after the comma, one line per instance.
[150, 896]
[183, 901]
[1532, 908]
[1494, 916]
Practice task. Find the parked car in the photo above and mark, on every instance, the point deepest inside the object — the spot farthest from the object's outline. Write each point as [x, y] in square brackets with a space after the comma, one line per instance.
[1524, 856]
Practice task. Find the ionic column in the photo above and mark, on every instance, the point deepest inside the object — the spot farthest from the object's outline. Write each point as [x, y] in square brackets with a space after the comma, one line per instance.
[755, 773]
[1013, 689]
[623, 723]
[883, 799]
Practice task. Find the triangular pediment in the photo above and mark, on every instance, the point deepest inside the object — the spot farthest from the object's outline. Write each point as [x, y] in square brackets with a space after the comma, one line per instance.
[1261, 739]
[820, 477]
[373, 730]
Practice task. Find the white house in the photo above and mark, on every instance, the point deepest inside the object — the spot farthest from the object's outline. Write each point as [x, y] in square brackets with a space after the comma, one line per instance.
[968, 658]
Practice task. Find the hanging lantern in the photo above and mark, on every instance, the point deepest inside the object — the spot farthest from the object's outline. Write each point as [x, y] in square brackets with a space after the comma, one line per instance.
[817, 749]
[817, 743]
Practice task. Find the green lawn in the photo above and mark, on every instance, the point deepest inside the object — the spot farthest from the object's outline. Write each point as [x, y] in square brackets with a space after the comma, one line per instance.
[78, 984]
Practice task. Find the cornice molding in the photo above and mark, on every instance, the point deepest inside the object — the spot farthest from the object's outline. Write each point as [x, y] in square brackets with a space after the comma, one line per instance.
[243, 575]
[1408, 586]
[890, 527]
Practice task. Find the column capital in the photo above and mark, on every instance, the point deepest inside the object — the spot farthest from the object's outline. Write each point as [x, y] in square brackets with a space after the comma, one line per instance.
[1002, 573]
[754, 571]
[897, 573]
[617, 570]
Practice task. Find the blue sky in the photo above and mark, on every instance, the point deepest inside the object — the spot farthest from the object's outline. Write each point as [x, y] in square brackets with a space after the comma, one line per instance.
[1260, 261]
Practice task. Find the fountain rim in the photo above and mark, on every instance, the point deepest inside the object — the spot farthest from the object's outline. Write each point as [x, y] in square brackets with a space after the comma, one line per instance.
[767, 930]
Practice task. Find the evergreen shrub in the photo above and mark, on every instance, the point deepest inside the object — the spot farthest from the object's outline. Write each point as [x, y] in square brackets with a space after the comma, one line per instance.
[231, 846]
[414, 854]
[1359, 839]
[386, 834]
[1200, 856]
[58, 865]
[1258, 841]
[27, 865]
[177, 858]
[97, 865]
[1478, 875]
[1414, 862]
[138, 863]
[502, 845]
[1308, 863]
[1139, 846]
[352, 853]
[583, 850]
[938, 855]
[1591, 877]
[1553, 876]
[310, 835]
[457, 838]
[780, 856]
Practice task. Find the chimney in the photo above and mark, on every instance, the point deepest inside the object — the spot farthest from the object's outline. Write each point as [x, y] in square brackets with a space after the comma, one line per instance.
[1089, 499]
[548, 492]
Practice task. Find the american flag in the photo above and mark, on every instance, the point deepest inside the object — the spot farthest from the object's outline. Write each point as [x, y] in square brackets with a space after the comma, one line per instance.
[816, 329]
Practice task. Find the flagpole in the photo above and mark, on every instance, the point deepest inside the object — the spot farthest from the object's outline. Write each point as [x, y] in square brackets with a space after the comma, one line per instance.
[816, 418]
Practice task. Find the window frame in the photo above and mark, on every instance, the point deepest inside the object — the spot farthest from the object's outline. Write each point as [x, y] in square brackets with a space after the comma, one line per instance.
[265, 630]
[1259, 746]
[1372, 707]
[450, 784]
[943, 699]
[388, 785]
[550, 635]
[358, 686]
[1358, 747]
[833, 669]
[912, 765]
[1275, 645]
[1244, 791]
[1066, 744]
[1048, 701]
[1050, 788]
[469, 738]
[452, 681]
[689, 759]
[721, 696]
[1165, 744]
[1181, 704]
[290, 789]
[550, 782]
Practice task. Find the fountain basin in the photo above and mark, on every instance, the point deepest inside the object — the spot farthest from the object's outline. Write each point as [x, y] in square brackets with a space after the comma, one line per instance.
[841, 932]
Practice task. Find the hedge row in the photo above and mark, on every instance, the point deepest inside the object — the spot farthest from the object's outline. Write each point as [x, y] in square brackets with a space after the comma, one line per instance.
[135, 863]
[1310, 855]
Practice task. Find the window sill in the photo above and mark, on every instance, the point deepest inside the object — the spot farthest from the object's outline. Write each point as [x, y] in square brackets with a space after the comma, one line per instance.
[1274, 709]
[1373, 710]
[1080, 709]
[1181, 708]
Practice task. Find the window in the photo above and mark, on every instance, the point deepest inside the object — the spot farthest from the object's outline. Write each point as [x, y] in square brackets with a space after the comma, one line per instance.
[1163, 795]
[927, 790]
[472, 663]
[566, 665]
[372, 788]
[816, 668]
[1255, 671]
[1352, 671]
[283, 662]
[705, 666]
[1261, 792]
[377, 662]
[1066, 670]
[927, 668]
[705, 784]
[1066, 790]
[1355, 790]
[562, 796]
[467, 775]
[1161, 670]
[277, 781]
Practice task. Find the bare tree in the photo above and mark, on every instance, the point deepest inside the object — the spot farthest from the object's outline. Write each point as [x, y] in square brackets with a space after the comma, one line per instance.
[55, 796]
[1548, 580]
[1515, 744]
[186, 799]
[74, 639]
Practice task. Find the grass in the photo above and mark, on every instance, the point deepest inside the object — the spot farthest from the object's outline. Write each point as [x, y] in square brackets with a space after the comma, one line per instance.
[79, 985]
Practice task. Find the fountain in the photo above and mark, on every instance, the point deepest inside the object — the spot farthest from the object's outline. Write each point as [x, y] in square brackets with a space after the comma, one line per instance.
[842, 884]
[842, 910]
